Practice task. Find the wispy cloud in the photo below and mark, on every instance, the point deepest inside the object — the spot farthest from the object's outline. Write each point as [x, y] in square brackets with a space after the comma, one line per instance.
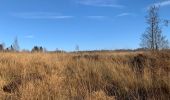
[125, 14]
[111, 17]
[40, 15]
[29, 36]
[100, 3]
[163, 3]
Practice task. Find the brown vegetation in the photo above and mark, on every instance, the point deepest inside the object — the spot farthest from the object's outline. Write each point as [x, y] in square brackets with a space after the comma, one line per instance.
[85, 76]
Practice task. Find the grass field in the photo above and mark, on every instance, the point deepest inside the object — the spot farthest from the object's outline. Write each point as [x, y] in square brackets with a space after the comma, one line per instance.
[85, 76]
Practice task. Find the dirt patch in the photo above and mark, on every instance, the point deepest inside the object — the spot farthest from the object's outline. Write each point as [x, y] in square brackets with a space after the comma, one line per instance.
[138, 63]
[14, 85]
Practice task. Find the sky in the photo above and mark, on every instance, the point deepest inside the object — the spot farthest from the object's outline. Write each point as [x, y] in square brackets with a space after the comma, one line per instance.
[90, 24]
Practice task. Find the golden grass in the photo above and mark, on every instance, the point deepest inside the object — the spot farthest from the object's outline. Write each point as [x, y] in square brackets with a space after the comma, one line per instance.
[84, 76]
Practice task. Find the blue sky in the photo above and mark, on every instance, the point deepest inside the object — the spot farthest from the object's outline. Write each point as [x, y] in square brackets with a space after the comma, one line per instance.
[63, 24]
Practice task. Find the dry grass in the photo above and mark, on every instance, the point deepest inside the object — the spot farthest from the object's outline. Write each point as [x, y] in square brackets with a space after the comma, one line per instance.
[94, 76]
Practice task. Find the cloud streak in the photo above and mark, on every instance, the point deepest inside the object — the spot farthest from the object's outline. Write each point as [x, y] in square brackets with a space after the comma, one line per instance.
[163, 3]
[29, 36]
[40, 15]
[100, 3]
[125, 14]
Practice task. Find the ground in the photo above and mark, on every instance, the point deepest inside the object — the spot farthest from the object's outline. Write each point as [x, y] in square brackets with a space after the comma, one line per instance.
[85, 76]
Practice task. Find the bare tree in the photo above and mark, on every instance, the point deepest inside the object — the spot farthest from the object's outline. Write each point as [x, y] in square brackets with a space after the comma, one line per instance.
[77, 48]
[166, 22]
[153, 38]
[15, 44]
[2, 47]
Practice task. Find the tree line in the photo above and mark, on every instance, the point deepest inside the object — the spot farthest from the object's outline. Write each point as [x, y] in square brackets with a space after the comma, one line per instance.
[14, 47]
